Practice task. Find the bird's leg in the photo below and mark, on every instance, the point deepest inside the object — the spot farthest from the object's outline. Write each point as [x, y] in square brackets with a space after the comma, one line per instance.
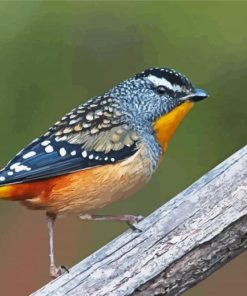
[54, 271]
[131, 220]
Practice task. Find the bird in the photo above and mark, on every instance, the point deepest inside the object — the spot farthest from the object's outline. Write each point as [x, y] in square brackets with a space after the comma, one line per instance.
[102, 151]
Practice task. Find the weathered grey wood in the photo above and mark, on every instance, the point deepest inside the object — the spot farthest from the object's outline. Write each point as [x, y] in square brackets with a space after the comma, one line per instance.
[182, 242]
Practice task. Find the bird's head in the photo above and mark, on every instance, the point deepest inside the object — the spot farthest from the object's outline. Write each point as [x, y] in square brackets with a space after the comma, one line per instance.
[160, 96]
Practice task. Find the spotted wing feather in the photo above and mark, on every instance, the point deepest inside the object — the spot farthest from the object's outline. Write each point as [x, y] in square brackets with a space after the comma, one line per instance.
[91, 135]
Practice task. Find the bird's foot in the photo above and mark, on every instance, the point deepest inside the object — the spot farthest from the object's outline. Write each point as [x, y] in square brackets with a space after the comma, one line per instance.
[131, 220]
[57, 271]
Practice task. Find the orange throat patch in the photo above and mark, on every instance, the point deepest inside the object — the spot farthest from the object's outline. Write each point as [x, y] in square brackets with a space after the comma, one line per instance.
[167, 124]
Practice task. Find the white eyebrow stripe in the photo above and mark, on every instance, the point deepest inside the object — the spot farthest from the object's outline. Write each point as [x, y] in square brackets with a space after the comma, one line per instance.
[160, 81]
[177, 87]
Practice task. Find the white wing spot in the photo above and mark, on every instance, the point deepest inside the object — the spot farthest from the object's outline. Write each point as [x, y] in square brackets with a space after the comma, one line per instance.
[45, 143]
[74, 121]
[62, 152]
[2, 179]
[90, 116]
[49, 149]
[10, 173]
[47, 134]
[73, 153]
[13, 166]
[18, 167]
[84, 154]
[112, 159]
[106, 158]
[36, 140]
[20, 152]
[29, 154]
[58, 139]
[91, 156]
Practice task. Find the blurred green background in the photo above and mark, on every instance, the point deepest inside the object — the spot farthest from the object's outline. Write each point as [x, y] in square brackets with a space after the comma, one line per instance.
[55, 55]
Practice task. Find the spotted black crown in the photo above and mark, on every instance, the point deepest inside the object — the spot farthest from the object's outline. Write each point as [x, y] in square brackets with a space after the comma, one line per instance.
[170, 75]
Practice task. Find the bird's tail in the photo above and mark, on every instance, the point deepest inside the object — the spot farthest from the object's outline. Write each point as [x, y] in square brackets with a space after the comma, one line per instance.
[6, 192]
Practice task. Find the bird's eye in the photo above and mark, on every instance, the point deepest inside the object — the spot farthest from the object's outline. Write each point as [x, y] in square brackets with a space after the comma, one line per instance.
[160, 89]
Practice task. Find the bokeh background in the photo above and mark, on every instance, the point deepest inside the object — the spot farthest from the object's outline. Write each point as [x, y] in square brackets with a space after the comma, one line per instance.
[55, 55]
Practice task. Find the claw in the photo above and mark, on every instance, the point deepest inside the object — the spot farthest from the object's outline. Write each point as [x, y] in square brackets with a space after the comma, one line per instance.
[133, 222]
[55, 272]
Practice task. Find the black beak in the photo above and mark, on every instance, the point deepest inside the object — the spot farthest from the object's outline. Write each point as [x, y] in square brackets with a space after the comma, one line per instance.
[196, 96]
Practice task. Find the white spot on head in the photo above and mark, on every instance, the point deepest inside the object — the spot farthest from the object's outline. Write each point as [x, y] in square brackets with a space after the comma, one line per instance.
[2, 179]
[177, 87]
[84, 154]
[49, 149]
[29, 154]
[62, 152]
[73, 153]
[160, 81]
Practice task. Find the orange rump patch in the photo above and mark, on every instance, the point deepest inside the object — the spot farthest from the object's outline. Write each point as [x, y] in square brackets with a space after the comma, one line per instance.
[22, 191]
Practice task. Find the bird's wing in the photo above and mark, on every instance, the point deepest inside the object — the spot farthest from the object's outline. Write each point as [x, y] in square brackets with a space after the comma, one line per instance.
[93, 134]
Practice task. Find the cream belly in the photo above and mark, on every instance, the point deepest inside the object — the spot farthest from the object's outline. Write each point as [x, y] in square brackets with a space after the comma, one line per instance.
[92, 189]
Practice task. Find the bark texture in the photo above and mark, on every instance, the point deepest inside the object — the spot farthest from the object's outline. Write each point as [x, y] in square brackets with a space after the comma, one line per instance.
[181, 243]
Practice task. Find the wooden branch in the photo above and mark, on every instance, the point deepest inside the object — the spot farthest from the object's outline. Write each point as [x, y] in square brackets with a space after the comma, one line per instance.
[182, 242]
